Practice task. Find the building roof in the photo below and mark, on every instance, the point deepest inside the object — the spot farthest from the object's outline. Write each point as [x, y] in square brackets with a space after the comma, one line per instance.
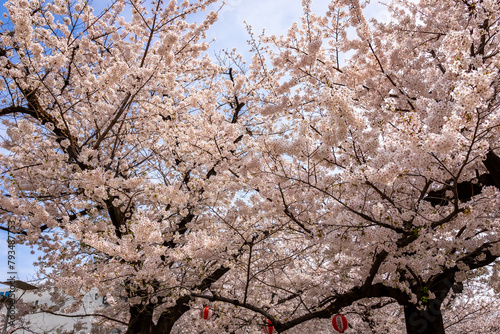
[21, 285]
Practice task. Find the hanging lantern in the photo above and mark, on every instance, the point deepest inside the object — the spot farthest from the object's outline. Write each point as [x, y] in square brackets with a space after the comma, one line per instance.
[206, 313]
[339, 323]
[269, 328]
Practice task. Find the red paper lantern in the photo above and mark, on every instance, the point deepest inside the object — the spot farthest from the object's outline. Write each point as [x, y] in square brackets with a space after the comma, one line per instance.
[269, 328]
[339, 323]
[206, 313]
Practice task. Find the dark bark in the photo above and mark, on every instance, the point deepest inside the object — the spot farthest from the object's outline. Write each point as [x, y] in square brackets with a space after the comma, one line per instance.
[426, 321]
[427, 318]
[170, 316]
[467, 189]
[492, 163]
[116, 216]
[141, 319]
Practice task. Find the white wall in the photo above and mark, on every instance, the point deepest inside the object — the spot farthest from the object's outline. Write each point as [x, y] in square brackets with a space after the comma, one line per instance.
[42, 322]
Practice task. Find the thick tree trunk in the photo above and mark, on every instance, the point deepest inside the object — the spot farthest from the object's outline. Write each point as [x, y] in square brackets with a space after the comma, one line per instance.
[170, 316]
[426, 321]
[141, 318]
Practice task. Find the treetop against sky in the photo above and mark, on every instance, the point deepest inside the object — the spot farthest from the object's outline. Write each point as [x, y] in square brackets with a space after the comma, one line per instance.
[229, 32]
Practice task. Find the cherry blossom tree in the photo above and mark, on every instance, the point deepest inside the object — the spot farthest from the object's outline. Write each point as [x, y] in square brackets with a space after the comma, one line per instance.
[381, 170]
[117, 149]
[351, 167]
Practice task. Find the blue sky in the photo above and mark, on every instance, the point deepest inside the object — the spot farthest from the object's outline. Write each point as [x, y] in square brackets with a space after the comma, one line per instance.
[23, 261]
[229, 31]
[275, 16]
